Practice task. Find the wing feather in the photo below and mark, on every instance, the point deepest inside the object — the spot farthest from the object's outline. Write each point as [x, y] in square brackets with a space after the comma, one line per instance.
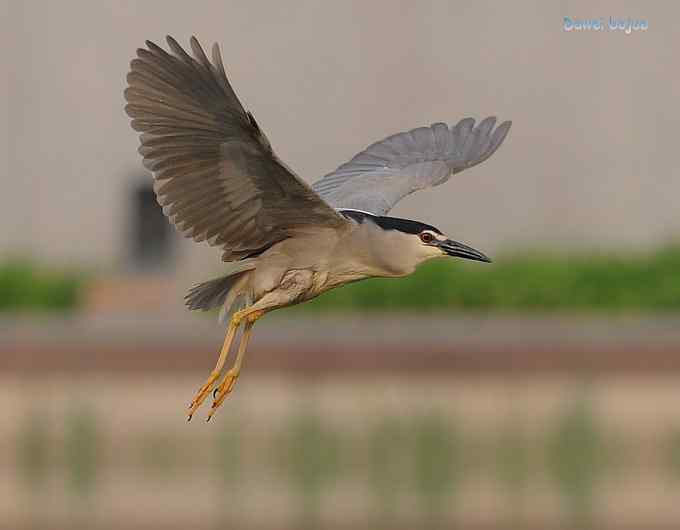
[215, 173]
[386, 171]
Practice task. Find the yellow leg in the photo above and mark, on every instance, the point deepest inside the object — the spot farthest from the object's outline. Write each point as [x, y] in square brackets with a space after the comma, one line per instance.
[227, 384]
[215, 374]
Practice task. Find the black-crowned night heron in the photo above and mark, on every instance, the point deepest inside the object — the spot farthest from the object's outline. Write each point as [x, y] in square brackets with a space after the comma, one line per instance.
[218, 180]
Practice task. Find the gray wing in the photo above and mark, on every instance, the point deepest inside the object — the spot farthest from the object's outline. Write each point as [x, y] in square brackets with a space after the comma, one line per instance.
[379, 177]
[215, 173]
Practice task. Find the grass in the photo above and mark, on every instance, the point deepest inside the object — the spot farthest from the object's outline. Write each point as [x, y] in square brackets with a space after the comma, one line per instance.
[533, 282]
[24, 286]
[422, 460]
[528, 282]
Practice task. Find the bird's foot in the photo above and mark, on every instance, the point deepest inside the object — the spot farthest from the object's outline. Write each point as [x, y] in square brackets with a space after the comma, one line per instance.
[223, 390]
[202, 393]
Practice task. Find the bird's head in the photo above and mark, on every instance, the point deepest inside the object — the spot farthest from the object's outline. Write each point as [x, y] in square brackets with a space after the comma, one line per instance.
[424, 242]
[403, 244]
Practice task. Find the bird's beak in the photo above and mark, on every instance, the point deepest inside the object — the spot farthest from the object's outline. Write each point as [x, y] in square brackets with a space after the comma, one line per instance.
[459, 250]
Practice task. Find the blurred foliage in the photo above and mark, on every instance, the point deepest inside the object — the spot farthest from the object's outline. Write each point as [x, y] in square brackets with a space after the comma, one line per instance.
[438, 464]
[310, 456]
[387, 451]
[229, 455]
[577, 459]
[531, 281]
[227, 465]
[514, 467]
[674, 454]
[81, 451]
[424, 458]
[528, 282]
[33, 448]
[513, 458]
[158, 454]
[26, 287]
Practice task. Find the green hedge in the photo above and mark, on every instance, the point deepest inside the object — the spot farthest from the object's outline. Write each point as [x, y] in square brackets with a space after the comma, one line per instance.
[522, 283]
[529, 282]
[27, 287]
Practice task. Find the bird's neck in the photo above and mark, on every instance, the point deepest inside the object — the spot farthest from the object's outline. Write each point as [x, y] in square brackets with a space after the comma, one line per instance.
[368, 251]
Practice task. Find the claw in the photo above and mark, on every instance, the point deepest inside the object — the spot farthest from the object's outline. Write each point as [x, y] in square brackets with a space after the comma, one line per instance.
[213, 408]
[203, 393]
[222, 391]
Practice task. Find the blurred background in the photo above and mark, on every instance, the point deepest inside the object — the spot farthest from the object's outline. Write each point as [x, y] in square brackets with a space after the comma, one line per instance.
[539, 392]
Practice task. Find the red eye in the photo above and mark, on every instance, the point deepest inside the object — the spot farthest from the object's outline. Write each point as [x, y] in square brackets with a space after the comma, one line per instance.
[426, 237]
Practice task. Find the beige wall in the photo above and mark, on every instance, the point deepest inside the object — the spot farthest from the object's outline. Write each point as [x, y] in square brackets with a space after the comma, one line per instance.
[590, 160]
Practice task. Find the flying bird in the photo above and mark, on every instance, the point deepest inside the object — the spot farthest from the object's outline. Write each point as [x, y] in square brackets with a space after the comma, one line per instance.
[284, 242]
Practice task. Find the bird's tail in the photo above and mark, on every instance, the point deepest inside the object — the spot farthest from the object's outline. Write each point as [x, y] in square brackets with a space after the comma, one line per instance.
[219, 291]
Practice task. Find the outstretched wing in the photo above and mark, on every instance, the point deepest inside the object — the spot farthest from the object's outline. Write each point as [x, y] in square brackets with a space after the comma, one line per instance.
[379, 177]
[215, 173]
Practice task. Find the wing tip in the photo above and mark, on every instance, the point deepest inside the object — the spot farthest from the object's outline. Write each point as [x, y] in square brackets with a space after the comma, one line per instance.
[504, 128]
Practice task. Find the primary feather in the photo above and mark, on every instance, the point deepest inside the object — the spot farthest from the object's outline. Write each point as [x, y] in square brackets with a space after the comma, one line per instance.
[386, 171]
[215, 173]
